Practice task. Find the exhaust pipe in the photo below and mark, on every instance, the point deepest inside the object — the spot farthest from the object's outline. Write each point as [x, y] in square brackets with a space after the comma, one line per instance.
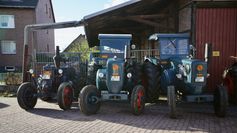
[57, 58]
[207, 54]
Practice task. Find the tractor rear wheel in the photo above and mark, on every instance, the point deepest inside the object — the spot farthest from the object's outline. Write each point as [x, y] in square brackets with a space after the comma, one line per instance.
[138, 100]
[235, 91]
[27, 96]
[91, 76]
[230, 86]
[153, 76]
[171, 101]
[65, 96]
[135, 69]
[220, 101]
[89, 102]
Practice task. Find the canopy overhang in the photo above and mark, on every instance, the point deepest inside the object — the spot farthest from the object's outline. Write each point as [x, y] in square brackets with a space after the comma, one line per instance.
[133, 17]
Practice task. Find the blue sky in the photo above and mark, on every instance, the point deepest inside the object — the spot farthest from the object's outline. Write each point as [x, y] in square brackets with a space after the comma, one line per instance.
[76, 10]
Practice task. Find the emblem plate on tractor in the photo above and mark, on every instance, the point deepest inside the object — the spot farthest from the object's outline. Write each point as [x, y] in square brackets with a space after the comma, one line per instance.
[199, 79]
[115, 78]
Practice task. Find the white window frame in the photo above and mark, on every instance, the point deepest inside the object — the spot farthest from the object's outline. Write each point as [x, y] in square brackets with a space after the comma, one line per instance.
[9, 20]
[4, 51]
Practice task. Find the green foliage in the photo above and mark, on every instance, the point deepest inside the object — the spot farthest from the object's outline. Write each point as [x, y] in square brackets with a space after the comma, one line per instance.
[82, 47]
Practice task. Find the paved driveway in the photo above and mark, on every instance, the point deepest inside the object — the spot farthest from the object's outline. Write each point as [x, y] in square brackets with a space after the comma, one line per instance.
[113, 117]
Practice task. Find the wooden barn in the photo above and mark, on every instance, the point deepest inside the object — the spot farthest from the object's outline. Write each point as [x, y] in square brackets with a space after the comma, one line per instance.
[207, 21]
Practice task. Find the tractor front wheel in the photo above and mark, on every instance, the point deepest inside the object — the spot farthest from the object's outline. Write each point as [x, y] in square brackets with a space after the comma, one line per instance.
[138, 100]
[171, 101]
[65, 96]
[27, 96]
[220, 101]
[89, 101]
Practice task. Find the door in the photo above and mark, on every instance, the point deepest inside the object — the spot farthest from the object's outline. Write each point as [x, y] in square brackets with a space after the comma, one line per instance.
[217, 26]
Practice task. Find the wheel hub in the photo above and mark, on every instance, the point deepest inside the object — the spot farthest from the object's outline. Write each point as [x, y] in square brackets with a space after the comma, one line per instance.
[67, 95]
[139, 99]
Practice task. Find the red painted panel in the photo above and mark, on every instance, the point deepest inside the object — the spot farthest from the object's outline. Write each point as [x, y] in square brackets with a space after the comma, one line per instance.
[217, 26]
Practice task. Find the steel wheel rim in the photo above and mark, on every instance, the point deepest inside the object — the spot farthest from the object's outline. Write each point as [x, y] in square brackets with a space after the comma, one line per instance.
[140, 95]
[67, 96]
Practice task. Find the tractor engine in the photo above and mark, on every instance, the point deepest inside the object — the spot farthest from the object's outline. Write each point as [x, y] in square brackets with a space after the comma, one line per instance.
[111, 78]
[189, 75]
[194, 75]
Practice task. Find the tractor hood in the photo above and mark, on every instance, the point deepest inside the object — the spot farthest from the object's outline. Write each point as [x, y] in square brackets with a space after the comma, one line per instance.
[156, 36]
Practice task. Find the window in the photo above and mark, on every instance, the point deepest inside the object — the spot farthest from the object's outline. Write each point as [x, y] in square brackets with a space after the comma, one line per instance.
[7, 21]
[8, 47]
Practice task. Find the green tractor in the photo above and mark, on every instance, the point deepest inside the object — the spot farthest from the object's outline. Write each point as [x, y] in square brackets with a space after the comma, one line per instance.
[181, 76]
[117, 79]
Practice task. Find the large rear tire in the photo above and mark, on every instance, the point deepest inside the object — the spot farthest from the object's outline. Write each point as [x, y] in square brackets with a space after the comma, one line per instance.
[235, 91]
[171, 101]
[138, 100]
[135, 69]
[153, 75]
[220, 101]
[91, 76]
[230, 86]
[27, 96]
[89, 102]
[65, 95]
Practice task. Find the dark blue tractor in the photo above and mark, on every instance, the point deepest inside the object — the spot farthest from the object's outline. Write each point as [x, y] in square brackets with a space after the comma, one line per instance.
[55, 81]
[98, 60]
[117, 79]
[180, 76]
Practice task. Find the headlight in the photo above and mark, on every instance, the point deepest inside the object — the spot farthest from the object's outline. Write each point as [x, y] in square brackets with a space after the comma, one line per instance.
[101, 75]
[188, 68]
[60, 71]
[129, 75]
[179, 76]
[31, 71]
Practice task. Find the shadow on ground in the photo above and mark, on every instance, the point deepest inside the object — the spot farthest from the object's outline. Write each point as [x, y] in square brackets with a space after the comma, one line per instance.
[2, 105]
[191, 117]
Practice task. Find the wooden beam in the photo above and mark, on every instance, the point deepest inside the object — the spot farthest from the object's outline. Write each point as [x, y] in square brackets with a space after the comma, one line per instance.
[150, 16]
[143, 21]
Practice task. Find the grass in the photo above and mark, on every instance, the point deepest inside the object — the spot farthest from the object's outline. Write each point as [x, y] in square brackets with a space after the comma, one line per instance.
[7, 94]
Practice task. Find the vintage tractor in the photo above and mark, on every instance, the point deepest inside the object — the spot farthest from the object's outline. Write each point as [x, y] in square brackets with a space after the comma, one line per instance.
[60, 81]
[117, 79]
[182, 77]
[230, 81]
[96, 61]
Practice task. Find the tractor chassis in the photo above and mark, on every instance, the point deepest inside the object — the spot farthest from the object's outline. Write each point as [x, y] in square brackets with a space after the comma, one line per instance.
[106, 96]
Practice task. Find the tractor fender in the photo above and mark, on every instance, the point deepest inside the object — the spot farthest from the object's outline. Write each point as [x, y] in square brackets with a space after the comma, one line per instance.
[101, 79]
[152, 60]
[167, 79]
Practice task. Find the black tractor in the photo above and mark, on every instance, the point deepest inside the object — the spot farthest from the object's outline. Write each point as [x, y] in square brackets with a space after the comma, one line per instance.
[56, 81]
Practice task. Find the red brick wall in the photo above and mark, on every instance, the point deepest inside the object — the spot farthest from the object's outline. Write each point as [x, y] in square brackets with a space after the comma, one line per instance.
[45, 38]
[22, 17]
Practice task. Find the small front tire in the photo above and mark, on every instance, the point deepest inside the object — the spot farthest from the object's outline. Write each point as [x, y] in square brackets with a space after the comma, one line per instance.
[220, 101]
[27, 96]
[171, 101]
[89, 102]
[138, 100]
[65, 96]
